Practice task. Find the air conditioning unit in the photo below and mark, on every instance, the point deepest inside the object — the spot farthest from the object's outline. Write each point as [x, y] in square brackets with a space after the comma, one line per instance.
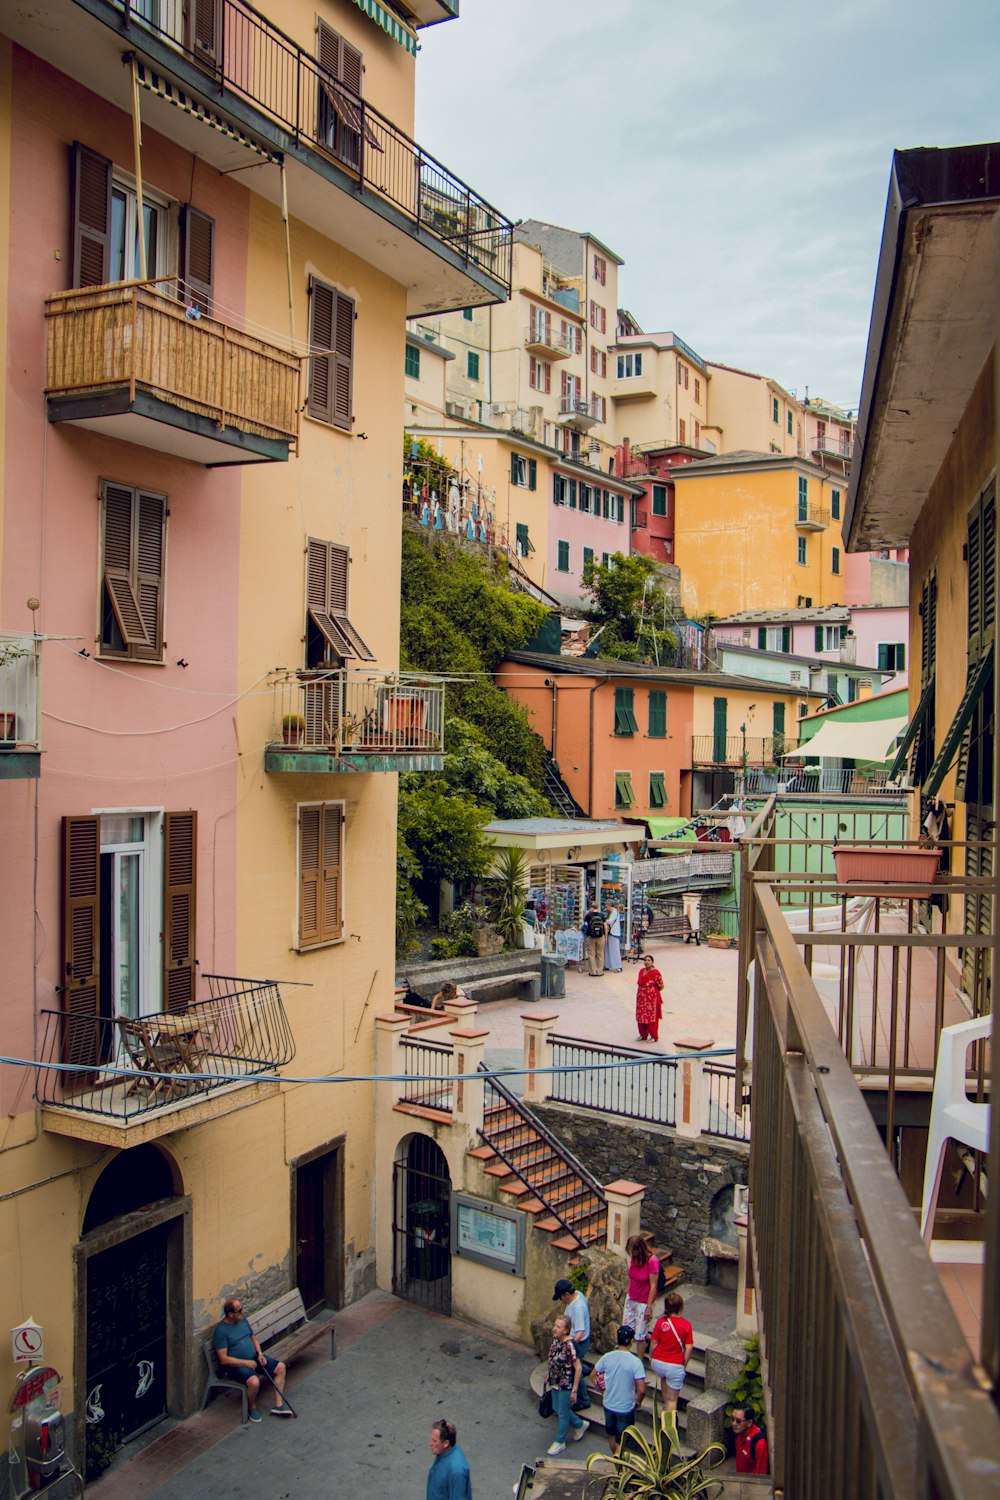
[498, 409]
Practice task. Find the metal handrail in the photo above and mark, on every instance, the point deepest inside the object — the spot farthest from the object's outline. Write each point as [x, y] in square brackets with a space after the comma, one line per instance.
[552, 1143]
[572, 1088]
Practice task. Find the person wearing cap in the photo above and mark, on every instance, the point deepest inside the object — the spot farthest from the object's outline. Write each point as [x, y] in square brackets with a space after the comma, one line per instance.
[624, 1379]
[578, 1312]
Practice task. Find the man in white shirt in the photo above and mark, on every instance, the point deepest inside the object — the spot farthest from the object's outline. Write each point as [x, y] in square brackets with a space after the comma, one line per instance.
[624, 1386]
[578, 1312]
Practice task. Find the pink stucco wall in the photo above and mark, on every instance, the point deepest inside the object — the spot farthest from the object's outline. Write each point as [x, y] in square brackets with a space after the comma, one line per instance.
[580, 530]
[115, 735]
[871, 626]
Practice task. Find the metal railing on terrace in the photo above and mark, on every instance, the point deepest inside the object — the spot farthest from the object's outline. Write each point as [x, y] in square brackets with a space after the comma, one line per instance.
[740, 750]
[427, 1067]
[20, 698]
[137, 335]
[358, 712]
[121, 1067]
[820, 780]
[849, 1301]
[250, 57]
[646, 1091]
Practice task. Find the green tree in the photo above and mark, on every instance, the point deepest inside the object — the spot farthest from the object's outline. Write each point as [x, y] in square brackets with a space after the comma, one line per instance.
[443, 830]
[630, 609]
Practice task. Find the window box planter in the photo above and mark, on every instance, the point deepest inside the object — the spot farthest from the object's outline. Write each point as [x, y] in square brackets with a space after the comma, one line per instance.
[892, 866]
[8, 731]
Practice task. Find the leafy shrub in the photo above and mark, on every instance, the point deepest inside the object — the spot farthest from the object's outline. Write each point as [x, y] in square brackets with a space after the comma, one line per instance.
[444, 947]
[749, 1383]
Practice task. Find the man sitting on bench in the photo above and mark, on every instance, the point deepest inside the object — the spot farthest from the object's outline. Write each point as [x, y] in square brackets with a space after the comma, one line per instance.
[240, 1355]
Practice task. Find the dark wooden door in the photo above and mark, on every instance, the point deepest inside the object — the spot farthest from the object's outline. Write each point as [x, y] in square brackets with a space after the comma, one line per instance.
[310, 1231]
[126, 1343]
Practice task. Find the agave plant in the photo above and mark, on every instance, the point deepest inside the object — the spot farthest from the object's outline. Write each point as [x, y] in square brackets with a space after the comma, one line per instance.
[653, 1468]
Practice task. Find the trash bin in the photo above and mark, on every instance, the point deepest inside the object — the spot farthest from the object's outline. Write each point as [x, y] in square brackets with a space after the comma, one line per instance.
[553, 976]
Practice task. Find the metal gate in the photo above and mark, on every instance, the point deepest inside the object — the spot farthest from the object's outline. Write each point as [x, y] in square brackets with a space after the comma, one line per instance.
[421, 1230]
[126, 1343]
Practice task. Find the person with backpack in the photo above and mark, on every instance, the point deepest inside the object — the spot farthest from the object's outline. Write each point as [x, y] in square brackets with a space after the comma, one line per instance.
[751, 1444]
[595, 931]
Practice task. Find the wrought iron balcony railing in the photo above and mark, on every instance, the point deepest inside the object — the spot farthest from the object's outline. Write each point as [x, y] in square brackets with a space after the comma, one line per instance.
[245, 55]
[358, 714]
[737, 751]
[20, 700]
[121, 1067]
[812, 517]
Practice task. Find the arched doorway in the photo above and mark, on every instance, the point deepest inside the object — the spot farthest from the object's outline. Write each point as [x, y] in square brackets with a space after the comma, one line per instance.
[421, 1255]
[133, 1311]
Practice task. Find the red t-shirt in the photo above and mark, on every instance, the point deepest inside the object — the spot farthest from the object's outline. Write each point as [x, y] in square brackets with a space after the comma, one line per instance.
[751, 1460]
[668, 1345]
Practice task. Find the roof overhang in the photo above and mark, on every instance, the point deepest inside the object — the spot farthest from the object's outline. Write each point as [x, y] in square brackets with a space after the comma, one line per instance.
[931, 333]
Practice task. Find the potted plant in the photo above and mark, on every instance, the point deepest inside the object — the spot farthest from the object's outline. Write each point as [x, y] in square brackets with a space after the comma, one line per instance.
[293, 729]
[8, 730]
[718, 940]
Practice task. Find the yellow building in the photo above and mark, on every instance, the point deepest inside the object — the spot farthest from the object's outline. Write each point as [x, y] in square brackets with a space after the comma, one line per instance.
[756, 531]
[213, 423]
[752, 412]
[660, 392]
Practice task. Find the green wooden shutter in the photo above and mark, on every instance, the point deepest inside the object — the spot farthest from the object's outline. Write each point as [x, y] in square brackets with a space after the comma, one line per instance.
[563, 558]
[657, 714]
[719, 711]
[180, 858]
[786, 638]
[515, 469]
[779, 719]
[761, 638]
[657, 789]
[818, 638]
[532, 474]
[883, 657]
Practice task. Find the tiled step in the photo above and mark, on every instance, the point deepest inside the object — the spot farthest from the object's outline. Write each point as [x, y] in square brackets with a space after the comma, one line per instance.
[481, 1153]
[498, 1169]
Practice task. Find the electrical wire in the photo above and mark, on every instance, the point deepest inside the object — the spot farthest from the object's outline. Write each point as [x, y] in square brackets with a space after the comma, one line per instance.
[161, 729]
[108, 1070]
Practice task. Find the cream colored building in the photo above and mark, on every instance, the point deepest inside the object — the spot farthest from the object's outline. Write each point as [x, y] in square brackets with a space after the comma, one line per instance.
[752, 412]
[221, 718]
[660, 392]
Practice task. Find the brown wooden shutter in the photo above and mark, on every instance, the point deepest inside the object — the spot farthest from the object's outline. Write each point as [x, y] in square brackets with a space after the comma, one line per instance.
[340, 562]
[344, 362]
[310, 875]
[322, 301]
[150, 547]
[81, 934]
[352, 69]
[180, 856]
[317, 575]
[202, 31]
[333, 818]
[90, 201]
[119, 572]
[197, 257]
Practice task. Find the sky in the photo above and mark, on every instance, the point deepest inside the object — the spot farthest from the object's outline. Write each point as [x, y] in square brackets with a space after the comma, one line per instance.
[735, 155]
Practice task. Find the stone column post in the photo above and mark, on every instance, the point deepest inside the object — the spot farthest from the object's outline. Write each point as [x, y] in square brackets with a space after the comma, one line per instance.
[692, 1097]
[389, 1032]
[462, 1010]
[466, 1089]
[624, 1213]
[537, 1054]
[746, 1296]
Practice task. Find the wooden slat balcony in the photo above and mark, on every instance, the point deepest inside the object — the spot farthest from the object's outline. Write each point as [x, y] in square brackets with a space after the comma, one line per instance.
[130, 361]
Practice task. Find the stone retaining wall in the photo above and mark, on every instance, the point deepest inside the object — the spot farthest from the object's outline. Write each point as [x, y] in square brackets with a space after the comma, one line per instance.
[427, 978]
[681, 1177]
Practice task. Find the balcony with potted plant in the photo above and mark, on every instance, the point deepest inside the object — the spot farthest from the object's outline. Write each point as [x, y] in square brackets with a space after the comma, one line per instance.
[341, 720]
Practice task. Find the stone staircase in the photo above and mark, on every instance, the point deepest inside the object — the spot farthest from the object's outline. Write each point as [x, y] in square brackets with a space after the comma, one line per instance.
[538, 1174]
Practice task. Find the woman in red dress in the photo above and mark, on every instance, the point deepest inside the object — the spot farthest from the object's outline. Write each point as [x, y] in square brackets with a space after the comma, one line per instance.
[649, 1001]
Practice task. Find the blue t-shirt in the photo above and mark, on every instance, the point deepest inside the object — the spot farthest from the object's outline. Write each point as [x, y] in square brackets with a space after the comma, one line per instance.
[235, 1338]
[621, 1369]
[449, 1478]
[578, 1313]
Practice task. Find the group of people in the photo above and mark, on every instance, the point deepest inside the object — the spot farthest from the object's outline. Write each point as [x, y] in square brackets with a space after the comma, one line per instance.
[621, 1374]
[603, 932]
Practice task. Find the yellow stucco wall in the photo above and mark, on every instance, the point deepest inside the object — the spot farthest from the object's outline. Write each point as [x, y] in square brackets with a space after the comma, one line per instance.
[736, 542]
[750, 706]
[741, 408]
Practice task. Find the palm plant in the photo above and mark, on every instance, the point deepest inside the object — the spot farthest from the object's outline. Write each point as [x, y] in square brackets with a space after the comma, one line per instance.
[654, 1468]
[508, 893]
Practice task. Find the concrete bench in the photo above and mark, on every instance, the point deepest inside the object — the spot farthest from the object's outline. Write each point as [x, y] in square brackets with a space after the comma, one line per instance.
[525, 985]
[283, 1331]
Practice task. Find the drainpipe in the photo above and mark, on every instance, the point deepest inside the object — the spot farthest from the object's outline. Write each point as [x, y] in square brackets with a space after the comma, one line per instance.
[590, 748]
[550, 682]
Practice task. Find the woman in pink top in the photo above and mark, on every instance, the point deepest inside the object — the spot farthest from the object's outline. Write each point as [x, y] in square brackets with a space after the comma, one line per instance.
[643, 1272]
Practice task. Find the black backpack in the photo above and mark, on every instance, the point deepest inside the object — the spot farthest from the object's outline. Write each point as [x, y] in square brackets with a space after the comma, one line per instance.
[661, 1280]
[595, 925]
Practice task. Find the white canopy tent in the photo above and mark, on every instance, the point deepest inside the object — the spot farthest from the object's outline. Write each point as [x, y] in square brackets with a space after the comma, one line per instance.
[873, 740]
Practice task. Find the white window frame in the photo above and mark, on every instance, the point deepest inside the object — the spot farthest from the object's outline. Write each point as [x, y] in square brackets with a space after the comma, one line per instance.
[167, 211]
[522, 471]
[629, 365]
[150, 852]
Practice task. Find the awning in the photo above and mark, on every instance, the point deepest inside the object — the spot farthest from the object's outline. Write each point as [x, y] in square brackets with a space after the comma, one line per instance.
[147, 78]
[916, 725]
[389, 23]
[661, 828]
[979, 674]
[872, 739]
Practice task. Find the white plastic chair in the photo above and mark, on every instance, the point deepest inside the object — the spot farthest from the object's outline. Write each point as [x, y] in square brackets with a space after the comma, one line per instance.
[954, 1116]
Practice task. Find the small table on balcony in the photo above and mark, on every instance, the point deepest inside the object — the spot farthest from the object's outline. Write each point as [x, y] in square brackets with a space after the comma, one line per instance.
[164, 1045]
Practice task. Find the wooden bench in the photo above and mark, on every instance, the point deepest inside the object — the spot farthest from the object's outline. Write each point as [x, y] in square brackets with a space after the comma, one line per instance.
[283, 1331]
[526, 983]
